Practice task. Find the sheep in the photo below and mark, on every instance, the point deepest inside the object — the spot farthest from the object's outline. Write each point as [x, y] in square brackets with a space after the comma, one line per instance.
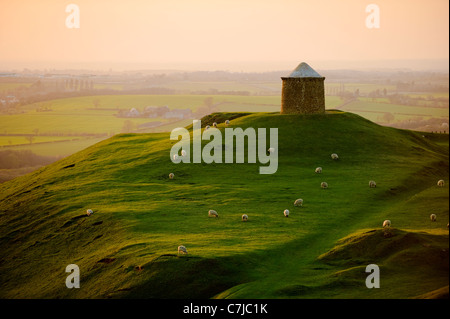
[372, 184]
[441, 183]
[286, 212]
[298, 202]
[215, 124]
[207, 127]
[433, 217]
[89, 212]
[227, 122]
[387, 223]
[244, 217]
[324, 185]
[175, 157]
[171, 175]
[318, 170]
[271, 150]
[334, 156]
[183, 153]
[212, 213]
[182, 249]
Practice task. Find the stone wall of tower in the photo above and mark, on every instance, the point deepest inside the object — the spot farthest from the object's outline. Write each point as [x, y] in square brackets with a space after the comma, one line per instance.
[303, 96]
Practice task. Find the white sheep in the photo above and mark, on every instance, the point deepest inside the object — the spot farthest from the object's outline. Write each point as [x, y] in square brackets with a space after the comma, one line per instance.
[387, 223]
[324, 185]
[207, 127]
[89, 212]
[183, 153]
[212, 213]
[244, 217]
[271, 150]
[286, 212]
[433, 217]
[334, 156]
[318, 170]
[215, 124]
[227, 122]
[298, 202]
[182, 249]
[175, 157]
[372, 184]
[171, 175]
[441, 183]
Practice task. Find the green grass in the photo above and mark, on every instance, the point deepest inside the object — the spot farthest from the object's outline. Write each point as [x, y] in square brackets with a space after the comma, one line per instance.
[128, 247]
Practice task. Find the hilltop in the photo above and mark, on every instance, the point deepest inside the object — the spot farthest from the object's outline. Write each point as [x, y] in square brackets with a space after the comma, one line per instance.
[128, 247]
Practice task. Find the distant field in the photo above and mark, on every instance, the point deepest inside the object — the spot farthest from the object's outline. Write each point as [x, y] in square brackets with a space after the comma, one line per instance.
[22, 140]
[6, 86]
[56, 148]
[252, 88]
[364, 88]
[373, 110]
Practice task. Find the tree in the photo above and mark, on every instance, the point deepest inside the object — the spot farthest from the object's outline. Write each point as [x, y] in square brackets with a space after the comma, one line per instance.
[30, 138]
[127, 127]
[96, 102]
[209, 102]
[388, 117]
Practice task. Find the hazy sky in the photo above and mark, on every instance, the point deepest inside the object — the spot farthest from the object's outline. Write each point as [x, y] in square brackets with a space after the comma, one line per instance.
[221, 34]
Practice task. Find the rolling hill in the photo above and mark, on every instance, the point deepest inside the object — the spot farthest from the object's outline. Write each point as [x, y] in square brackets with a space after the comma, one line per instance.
[128, 247]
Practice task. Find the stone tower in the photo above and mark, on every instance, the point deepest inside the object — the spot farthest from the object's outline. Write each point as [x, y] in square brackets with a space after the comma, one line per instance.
[303, 91]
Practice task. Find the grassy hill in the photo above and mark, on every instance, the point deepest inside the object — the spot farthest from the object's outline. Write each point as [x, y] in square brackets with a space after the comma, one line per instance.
[128, 247]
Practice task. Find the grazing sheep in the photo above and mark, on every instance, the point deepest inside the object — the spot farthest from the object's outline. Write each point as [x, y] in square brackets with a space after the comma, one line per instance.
[175, 157]
[182, 249]
[334, 156]
[441, 183]
[212, 213]
[227, 122]
[387, 223]
[286, 212]
[183, 153]
[89, 212]
[318, 170]
[433, 217]
[215, 124]
[324, 185]
[207, 127]
[171, 175]
[271, 150]
[298, 202]
[244, 217]
[372, 184]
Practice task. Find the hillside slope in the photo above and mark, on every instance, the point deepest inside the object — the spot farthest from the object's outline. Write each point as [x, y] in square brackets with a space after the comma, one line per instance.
[128, 247]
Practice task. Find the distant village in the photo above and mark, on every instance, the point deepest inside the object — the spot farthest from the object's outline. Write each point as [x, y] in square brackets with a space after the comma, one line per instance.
[157, 112]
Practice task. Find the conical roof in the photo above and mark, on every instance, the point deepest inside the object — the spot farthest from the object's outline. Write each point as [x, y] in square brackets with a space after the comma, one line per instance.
[303, 70]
